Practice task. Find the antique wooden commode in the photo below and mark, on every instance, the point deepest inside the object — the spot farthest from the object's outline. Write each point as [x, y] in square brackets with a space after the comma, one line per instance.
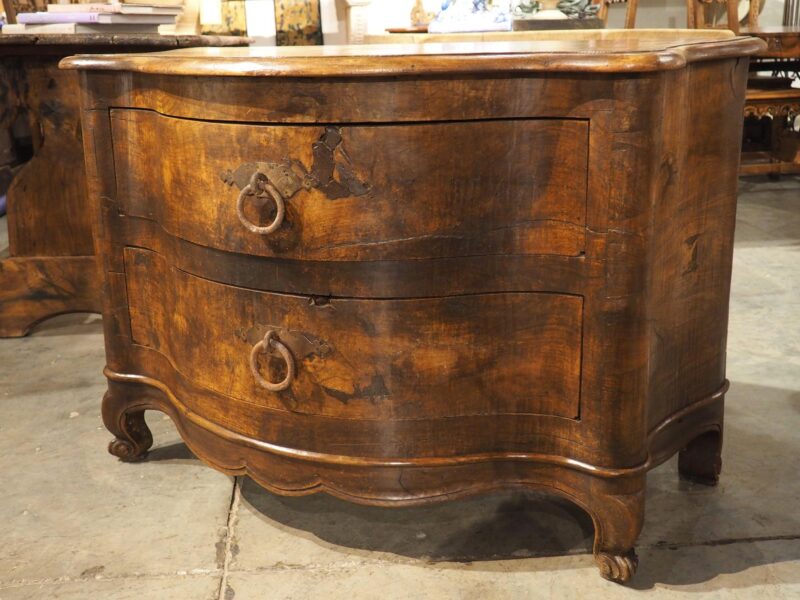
[403, 274]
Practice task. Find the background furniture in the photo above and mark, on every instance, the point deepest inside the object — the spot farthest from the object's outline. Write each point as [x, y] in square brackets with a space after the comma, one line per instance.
[472, 274]
[772, 133]
[630, 11]
[14, 7]
[51, 268]
[697, 13]
[697, 16]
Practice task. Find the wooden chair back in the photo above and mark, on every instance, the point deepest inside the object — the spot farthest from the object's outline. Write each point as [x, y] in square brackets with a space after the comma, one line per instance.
[630, 13]
[697, 10]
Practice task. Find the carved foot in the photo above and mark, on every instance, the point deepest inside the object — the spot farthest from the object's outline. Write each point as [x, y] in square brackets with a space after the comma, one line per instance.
[132, 436]
[617, 509]
[701, 460]
[618, 568]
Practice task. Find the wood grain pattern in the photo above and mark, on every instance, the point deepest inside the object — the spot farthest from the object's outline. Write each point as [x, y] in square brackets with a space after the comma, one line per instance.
[575, 275]
[414, 204]
[34, 289]
[479, 354]
[404, 391]
[52, 269]
[626, 53]
[73, 43]
[694, 256]
[369, 100]
[48, 194]
[781, 42]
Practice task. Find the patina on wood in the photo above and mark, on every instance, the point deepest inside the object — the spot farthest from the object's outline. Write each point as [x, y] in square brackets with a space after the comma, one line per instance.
[372, 196]
[52, 269]
[498, 265]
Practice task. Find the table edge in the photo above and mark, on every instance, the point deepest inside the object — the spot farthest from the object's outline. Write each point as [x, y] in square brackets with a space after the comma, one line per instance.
[669, 58]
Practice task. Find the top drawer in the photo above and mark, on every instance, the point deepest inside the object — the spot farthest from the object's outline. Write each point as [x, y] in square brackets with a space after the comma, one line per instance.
[358, 192]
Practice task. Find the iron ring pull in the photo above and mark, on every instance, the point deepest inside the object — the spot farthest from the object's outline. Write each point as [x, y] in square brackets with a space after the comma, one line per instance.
[270, 340]
[252, 188]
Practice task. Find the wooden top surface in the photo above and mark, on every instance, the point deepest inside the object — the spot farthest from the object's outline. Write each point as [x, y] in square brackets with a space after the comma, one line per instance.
[90, 40]
[591, 50]
[782, 94]
[782, 41]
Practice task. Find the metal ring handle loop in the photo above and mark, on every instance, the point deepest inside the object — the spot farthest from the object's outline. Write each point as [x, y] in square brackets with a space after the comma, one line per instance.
[271, 340]
[251, 188]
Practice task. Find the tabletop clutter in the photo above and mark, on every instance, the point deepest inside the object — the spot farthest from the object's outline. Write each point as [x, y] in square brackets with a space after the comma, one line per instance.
[130, 16]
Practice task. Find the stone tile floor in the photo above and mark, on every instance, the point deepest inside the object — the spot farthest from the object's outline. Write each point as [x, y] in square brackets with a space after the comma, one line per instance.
[77, 524]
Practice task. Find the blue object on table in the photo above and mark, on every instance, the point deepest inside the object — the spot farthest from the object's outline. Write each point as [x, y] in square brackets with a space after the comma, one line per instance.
[2, 205]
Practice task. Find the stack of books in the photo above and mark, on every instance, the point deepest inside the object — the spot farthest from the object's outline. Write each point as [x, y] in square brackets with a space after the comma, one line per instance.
[131, 16]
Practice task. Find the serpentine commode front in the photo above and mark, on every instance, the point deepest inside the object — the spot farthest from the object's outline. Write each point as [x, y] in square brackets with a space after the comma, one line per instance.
[404, 278]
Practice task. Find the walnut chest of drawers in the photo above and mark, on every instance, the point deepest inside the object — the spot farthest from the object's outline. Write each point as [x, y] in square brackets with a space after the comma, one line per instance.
[407, 274]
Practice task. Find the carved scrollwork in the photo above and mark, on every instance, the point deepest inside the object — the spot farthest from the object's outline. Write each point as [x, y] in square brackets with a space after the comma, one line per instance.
[784, 109]
[618, 568]
[132, 436]
[789, 111]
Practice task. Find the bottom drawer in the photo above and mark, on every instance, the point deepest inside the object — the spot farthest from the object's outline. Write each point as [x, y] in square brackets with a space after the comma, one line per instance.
[479, 354]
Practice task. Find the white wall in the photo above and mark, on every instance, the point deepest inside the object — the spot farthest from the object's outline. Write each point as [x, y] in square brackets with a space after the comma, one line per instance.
[672, 13]
[397, 13]
[651, 13]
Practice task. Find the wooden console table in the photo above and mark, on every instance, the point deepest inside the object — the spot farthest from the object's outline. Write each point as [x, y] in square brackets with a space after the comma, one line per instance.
[51, 268]
[403, 274]
[782, 105]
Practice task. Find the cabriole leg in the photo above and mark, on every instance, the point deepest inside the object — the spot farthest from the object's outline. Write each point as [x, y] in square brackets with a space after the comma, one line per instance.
[123, 415]
[618, 519]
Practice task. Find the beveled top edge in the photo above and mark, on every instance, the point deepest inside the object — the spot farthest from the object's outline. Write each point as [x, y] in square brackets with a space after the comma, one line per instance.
[625, 51]
[122, 40]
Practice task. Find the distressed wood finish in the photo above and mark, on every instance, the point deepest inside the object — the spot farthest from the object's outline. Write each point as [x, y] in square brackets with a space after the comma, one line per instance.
[370, 359]
[51, 270]
[36, 288]
[368, 203]
[489, 267]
